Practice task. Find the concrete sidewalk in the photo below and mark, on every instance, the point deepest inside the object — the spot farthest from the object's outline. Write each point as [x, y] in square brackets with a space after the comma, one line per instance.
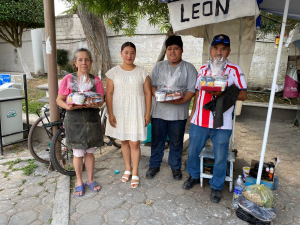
[43, 197]
[162, 200]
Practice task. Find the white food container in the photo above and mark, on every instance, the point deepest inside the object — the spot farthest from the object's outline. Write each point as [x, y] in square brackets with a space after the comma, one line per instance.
[221, 83]
[78, 99]
[160, 96]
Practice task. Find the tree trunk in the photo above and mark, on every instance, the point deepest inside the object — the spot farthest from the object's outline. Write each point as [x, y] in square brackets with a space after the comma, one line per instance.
[163, 49]
[95, 33]
[25, 68]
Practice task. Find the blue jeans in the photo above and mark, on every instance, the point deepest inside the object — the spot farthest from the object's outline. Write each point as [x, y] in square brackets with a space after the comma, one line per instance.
[220, 139]
[160, 129]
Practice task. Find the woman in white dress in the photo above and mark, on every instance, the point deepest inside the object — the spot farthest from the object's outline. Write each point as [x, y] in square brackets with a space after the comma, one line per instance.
[128, 99]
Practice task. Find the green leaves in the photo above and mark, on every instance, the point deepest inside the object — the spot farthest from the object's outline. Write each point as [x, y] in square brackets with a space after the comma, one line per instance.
[25, 11]
[271, 24]
[123, 15]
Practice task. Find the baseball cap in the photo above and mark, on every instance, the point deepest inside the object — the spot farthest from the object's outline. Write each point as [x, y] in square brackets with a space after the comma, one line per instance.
[221, 38]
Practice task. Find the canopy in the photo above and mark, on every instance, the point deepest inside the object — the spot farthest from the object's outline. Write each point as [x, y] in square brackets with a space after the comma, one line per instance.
[195, 13]
[277, 7]
[205, 19]
[294, 37]
[280, 7]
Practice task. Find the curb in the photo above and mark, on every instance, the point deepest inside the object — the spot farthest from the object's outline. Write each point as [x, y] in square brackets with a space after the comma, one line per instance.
[61, 209]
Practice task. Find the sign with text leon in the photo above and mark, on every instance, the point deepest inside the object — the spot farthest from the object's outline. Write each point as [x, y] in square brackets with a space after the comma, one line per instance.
[192, 13]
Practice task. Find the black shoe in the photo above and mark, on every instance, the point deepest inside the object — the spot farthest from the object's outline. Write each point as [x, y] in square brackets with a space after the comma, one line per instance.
[190, 183]
[215, 195]
[152, 172]
[177, 174]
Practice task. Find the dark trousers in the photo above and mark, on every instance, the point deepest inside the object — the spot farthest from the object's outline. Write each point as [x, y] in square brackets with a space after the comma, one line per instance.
[160, 129]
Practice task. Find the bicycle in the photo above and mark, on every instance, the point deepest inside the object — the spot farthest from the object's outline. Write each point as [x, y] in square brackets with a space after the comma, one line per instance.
[62, 158]
[42, 155]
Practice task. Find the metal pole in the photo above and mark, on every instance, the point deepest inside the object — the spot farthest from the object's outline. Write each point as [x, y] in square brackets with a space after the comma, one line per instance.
[263, 149]
[238, 62]
[26, 104]
[50, 36]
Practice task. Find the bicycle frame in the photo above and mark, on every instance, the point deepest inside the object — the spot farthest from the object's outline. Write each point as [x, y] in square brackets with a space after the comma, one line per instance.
[104, 112]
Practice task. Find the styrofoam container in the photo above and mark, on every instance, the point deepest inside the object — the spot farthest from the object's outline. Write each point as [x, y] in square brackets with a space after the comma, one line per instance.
[219, 83]
[78, 99]
[160, 96]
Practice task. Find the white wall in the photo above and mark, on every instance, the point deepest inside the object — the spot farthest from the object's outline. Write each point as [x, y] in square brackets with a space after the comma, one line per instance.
[8, 56]
[148, 40]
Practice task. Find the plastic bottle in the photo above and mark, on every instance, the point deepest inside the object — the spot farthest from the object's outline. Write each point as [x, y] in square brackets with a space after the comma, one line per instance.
[238, 188]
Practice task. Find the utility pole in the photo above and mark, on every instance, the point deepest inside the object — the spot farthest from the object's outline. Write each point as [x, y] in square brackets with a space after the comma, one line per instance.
[50, 38]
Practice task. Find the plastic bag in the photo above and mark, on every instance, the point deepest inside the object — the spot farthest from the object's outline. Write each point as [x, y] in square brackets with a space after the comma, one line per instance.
[261, 213]
[166, 83]
[217, 66]
[259, 194]
[83, 96]
[81, 85]
[215, 81]
[92, 97]
[290, 83]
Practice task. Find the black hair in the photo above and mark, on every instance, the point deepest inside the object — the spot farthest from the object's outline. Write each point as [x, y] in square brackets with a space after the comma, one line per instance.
[126, 44]
[82, 50]
[174, 40]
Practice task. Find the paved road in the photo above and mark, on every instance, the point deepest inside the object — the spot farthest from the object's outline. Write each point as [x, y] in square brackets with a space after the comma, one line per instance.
[157, 201]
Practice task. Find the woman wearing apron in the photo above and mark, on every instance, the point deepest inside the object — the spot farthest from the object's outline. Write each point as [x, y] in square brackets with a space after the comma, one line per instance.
[82, 123]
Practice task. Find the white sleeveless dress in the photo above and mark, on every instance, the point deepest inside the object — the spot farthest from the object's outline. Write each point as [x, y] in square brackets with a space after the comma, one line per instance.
[129, 106]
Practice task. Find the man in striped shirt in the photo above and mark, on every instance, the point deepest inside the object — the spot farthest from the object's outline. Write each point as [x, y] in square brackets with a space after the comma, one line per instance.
[202, 120]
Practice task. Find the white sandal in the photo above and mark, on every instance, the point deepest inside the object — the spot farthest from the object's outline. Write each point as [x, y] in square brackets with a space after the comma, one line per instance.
[126, 178]
[132, 183]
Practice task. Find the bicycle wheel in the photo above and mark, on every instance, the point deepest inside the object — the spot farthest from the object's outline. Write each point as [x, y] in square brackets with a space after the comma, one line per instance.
[41, 154]
[115, 142]
[61, 159]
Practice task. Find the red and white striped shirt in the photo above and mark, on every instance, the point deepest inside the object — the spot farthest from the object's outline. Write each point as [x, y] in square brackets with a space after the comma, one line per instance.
[204, 118]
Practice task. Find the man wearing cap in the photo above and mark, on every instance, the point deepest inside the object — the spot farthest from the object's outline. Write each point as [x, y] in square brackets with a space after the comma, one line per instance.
[169, 118]
[203, 121]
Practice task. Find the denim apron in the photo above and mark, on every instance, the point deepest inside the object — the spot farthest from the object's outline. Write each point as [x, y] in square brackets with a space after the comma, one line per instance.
[83, 126]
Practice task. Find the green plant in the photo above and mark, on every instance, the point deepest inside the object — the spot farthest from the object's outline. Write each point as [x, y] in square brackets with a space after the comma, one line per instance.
[68, 167]
[29, 168]
[41, 183]
[69, 68]
[123, 15]
[20, 192]
[271, 23]
[50, 220]
[17, 17]
[5, 174]
[19, 150]
[30, 160]
[62, 57]
[11, 163]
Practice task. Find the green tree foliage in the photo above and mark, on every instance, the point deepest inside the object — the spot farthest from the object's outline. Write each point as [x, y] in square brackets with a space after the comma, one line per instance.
[271, 24]
[18, 16]
[123, 15]
[62, 57]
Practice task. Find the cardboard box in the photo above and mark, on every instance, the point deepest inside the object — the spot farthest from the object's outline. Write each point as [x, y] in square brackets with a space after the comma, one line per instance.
[251, 180]
[254, 170]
